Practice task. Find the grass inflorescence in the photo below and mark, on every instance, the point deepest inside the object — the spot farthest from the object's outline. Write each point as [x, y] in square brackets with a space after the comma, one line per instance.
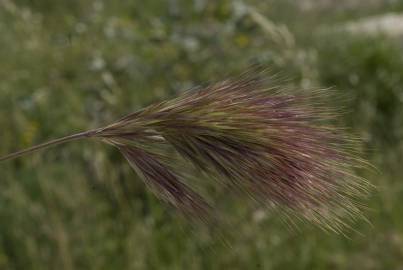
[281, 147]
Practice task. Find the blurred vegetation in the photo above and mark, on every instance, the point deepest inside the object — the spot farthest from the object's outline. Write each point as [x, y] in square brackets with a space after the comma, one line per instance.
[67, 66]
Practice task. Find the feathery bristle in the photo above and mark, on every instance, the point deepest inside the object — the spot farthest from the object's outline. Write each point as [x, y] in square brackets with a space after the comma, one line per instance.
[279, 146]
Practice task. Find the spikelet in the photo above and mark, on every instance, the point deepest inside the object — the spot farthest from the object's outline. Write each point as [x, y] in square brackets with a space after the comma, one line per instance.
[281, 147]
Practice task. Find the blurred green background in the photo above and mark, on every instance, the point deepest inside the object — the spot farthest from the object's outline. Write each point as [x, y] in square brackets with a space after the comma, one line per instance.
[66, 66]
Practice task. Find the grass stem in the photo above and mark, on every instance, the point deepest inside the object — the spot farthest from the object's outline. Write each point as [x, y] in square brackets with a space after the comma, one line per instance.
[35, 148]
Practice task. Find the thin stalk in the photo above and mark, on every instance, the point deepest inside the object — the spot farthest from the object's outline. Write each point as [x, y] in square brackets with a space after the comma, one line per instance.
[35, 148]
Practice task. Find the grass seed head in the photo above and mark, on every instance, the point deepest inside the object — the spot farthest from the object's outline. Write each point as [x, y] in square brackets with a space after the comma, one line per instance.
[281, 147]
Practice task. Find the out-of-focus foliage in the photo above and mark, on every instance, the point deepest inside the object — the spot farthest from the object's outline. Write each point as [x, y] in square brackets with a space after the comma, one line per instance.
[66, 66]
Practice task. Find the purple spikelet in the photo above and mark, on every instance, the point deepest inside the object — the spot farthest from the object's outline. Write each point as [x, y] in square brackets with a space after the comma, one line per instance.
[164, 182]
[279, 146]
